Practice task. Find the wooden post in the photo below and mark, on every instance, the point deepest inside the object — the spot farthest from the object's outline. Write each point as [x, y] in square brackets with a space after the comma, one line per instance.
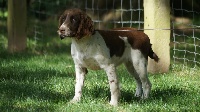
[16, 25]
[157, 16]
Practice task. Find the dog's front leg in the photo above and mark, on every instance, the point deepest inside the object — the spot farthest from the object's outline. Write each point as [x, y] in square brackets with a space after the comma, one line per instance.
[114, 85]
[80, 75]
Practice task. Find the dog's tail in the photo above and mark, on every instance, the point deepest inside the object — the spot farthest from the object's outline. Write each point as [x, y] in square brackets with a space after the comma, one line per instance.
[153, 55]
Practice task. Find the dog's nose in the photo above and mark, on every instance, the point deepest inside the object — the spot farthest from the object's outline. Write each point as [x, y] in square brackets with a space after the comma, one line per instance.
[62, 30]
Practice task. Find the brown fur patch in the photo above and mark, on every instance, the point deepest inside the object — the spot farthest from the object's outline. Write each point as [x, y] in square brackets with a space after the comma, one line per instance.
[113, 42]
[137, 40]
[85, 26]
[112, 81]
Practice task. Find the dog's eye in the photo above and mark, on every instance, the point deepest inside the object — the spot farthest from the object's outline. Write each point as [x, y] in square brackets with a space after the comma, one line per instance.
[74, 20]
[63, 19]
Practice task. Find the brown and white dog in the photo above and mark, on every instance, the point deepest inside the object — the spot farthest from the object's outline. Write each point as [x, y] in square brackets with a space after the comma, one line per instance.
[106, 49]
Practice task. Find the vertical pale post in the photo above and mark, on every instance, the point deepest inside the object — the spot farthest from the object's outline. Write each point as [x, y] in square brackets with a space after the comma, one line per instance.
[16, 25]
[157, 16]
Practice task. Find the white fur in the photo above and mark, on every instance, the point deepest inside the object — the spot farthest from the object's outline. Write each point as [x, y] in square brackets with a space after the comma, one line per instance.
[91, 52]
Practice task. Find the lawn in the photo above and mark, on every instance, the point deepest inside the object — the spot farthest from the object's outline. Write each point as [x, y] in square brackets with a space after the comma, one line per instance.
[42, 79]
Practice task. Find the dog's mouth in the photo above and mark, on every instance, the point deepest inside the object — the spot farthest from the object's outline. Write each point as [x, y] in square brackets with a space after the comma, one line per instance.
[70, 35]
[62, 36]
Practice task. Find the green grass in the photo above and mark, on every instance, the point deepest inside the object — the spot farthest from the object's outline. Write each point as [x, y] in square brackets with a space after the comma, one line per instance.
[42, 79]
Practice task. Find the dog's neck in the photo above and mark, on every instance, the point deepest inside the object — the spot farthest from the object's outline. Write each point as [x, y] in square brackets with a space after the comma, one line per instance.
[82, 42]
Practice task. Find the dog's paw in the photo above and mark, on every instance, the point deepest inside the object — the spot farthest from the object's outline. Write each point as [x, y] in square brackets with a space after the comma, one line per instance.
[75, 100]
[138, 93]
[145, 96]
[113, 103]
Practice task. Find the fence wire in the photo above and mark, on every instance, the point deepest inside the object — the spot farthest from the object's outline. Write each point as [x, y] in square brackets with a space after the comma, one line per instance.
[115, 13]
[186, 39]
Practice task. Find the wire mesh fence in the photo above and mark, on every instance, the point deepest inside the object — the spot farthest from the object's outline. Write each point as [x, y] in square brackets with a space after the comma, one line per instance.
[185, 16]
[104, 13]
[115, 13]
[186, 37]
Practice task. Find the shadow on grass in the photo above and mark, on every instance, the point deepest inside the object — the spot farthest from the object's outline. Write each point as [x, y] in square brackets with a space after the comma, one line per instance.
[128, 96]
[25, 83]
[11, 108]
[21, 73]
[18, 65]
[168, 93]
[99, 92]
[157, 94]
[13, 90]
[14, 97]
[19, 83]
[34, 85]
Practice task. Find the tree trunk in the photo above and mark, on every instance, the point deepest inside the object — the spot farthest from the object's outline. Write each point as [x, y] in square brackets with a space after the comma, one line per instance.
[16, 25]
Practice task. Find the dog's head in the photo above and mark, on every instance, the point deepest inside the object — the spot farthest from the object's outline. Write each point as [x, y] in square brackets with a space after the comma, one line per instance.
[75, 23]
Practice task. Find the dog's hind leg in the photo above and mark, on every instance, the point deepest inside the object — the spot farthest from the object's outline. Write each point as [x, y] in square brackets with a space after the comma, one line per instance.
[80, 75]
[140, 65]
[132, 72]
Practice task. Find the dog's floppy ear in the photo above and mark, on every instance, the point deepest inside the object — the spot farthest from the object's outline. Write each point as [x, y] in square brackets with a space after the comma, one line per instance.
[85, 26]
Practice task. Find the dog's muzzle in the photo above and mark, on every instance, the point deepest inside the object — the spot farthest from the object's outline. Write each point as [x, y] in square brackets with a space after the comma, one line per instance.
[62, 36]
[60, 33]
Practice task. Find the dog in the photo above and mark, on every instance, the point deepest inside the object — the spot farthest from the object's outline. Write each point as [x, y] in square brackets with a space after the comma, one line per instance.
[106, 49]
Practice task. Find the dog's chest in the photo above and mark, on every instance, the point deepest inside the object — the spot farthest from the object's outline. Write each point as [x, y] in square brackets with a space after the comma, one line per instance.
[87, 59]
[91, 53]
